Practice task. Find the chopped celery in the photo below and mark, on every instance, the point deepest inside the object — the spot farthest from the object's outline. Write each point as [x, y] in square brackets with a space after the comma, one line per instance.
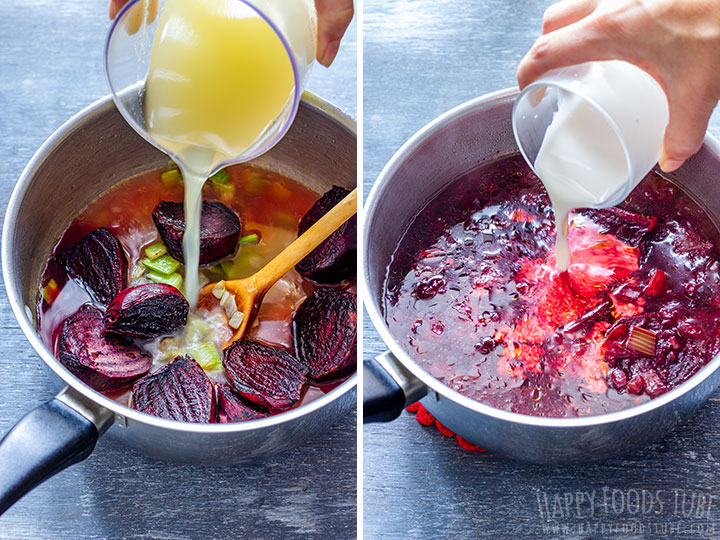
[226, 191]
[256, 185]
[137, 271]
[250, 239]
[248, 261]
[206, 355]
[50, 291]
[196, 327]
[236, 320]
[165, 265]
[227, 268]
[213, 274]
[171, 178]
[282, 219]
[169, 353]
[279, 191]
[154, 251]
[174, 280]
[220, 177]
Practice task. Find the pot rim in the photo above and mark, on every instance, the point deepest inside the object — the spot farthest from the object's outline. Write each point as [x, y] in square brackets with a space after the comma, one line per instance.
[126, 414]
[373, 309]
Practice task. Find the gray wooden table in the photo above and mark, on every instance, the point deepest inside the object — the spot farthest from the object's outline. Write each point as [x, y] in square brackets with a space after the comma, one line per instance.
[422, 58]
[50, 68]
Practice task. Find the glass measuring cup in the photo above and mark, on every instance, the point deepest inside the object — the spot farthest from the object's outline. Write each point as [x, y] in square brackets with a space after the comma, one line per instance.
[128, 54]
[210, 83]
[630, 102]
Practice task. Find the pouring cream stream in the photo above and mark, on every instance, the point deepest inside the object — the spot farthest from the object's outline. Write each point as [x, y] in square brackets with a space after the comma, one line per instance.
[580, 163]
[605, 135]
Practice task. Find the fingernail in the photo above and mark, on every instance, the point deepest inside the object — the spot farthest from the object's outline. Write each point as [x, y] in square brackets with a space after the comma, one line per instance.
[669, 165]
[330, 53]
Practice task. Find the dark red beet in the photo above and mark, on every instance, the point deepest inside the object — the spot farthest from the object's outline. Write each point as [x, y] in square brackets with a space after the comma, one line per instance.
[627, 226]
[656, 285]
[179, 390]
[336, 258]
[636, 384]
[104, 362]
[98, 260]
[325, 331]
[269, 377]
[618, 378]
[601, 312]
[219, 229]
[147, 311]
[231, 408]
[654, 386]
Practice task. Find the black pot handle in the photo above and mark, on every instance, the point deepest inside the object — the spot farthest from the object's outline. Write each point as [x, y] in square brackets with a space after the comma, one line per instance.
[388, 387]
[46, 440]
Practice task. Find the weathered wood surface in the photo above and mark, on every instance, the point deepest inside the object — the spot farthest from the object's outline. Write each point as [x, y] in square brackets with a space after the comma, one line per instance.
[50, 68]
[420, 60]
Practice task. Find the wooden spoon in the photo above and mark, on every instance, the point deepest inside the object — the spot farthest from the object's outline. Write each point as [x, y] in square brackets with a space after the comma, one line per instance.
[249, 292]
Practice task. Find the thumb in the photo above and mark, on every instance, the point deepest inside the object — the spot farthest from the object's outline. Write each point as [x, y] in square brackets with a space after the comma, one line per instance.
[334, 17]
[685, 131]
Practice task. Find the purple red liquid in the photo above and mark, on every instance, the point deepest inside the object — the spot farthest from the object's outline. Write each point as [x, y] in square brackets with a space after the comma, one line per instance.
[474, 296]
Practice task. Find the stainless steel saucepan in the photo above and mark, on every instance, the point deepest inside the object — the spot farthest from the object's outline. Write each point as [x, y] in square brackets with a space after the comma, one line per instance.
[86, 156]
[451, 145]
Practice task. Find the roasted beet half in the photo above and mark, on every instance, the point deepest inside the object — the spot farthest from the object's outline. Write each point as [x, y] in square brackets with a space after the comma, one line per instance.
[179, 390]
[334, 259]
[99, 262]
[232, 408]
[269, 377]
[103, 361]
[220, 229]
[325, 331]
[147, 311]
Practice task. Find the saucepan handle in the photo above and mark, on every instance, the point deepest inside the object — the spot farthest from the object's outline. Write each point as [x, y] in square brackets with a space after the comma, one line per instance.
[46, 440]
[388, 387]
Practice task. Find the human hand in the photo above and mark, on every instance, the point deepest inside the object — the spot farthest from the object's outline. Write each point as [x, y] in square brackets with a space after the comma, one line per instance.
[676, 41]
[334, 17]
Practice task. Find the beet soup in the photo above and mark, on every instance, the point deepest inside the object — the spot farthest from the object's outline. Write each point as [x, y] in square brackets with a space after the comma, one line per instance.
[473, 294]
[112, 309]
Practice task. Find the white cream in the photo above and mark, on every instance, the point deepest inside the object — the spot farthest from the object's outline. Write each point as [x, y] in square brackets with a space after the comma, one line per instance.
[580, 162]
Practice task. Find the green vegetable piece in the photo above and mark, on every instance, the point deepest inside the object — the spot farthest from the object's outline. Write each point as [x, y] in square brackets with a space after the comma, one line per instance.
[165, 355]
[206, 355]
[249, 239]
[175, 280]
[226, 190]
[283, 219]
[138, 271]
[227, 268]
[256, 185]
[165, 265]
[196, 327]
[171, 178]
[155, 251]
[220, 177]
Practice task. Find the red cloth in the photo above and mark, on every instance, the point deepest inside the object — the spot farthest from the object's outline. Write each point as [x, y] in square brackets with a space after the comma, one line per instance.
[426, 419]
